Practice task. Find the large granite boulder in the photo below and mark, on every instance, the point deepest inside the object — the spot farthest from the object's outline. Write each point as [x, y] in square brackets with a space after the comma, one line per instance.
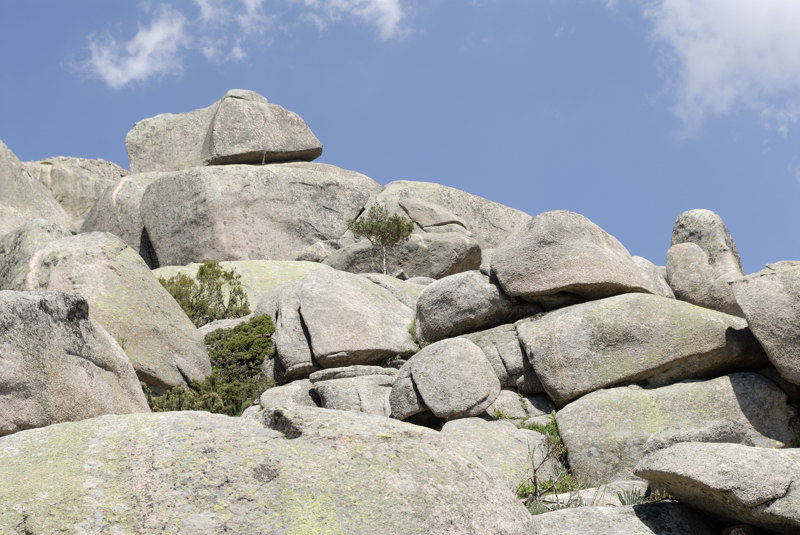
[246, 212]
[645, 519]
[18, 247]
[240, 128]
[311, 471]
[330, 319]
[464, 303]
[706, 229]
[754, 485]
[118, 211]
[157, 336]
[407, 292]
[76, 183]
[562, 251]
[605, 432]
[634, 337]
[771, 303]
[451, 378]
[504, 352]
[655, 276]
[298, 393]
[355, 388]
[22, 197]
[58, 365]
[425, 254]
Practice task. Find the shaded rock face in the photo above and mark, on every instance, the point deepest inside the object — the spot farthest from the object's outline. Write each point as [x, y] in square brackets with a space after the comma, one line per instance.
[633, 337]
[241, 128]
[770, 303]
[605, 432]
[76, 183]
[158, 338]
[562, 251]
[753, 485]
[238, 212]
[331, 319]
[311, 471]
[22, 197]
[58, 365]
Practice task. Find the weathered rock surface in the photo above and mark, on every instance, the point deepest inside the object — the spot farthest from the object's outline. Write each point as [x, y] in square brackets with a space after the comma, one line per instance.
[605, 431]
[298, 393]
[655, 277]
[406, 292]
[331, 319]
[770, 304]
[246, 212]
[257, 276]
[644, 519]
[504, 352]
[562, 251]
[58, 365]
[693, 279]
[423, 255]
[22, 197]
[314, 471]
[157, 336]
[240, 128]
[361, 393]
[76, 183]
[706, 229]
[724, 430]
[516, 408]
[18, 246]
[753, 485]
[453, 378]
[633, 337]
[464, 303]
[118, 211]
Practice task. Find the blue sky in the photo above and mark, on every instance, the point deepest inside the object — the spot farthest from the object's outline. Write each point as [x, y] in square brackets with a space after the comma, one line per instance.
[627, 111]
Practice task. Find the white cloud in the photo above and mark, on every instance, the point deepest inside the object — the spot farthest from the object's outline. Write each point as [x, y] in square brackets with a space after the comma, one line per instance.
[212, 11]
[732, 54]
[385, 15]
[153, 51]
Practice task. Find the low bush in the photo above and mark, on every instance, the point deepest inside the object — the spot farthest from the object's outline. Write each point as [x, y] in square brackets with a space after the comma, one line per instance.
[236, 379]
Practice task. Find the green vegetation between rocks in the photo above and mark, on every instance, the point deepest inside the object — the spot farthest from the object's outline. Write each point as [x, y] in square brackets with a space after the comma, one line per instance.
[215, 294]
[236, 379]
[382, 230]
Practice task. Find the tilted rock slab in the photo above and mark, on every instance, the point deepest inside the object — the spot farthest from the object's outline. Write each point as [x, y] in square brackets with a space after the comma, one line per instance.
[644, 519]
[59, 365]
[561, 251]
[159, 339]
[504, 352]
[754, 485]
[771, 303]
[463, 303]
[242, 127]
[331, 319]
[312, 471]
[605, 432]
[22, 197]
[76, 183]
[451, 378]
[246, 212]
[633, 337]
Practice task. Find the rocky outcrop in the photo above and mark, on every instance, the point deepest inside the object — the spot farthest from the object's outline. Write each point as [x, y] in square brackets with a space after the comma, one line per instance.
[22, 197]
[245, 212]
[309, 470]
[157, 336]
[770, 303]
[58, 365]
[754, 485]
[633, 337]
[605, 432]
[562, 251]
[645, 519]
[240, 128]
[76, 183]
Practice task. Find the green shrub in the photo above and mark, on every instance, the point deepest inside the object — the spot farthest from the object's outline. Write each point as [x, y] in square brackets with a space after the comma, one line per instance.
[236, 378]
[215, 294]
[382, 230]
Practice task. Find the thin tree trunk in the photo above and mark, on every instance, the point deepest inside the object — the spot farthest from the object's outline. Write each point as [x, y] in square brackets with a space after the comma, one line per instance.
[383, 249]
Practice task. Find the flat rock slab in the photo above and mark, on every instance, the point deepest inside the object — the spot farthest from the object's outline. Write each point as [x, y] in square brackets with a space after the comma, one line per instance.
[561, 251]
[58, 365]
[633, 337]
[248, 212]
[645, 519]
[771, 303]
[313, 471]
[605, 432]
[754, 485]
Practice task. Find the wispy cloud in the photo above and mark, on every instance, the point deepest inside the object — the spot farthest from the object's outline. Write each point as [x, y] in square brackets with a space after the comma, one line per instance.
[223, 30]
[729, 55]
[154, 50]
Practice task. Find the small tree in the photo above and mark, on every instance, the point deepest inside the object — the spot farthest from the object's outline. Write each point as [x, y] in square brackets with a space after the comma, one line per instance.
[381, 229]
